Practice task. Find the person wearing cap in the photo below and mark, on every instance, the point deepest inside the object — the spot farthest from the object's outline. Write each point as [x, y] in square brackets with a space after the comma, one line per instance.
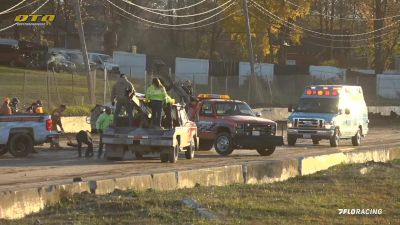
[39, 107]
[120, 97]
[56, 118]
[5, 108]
[157, 95]
[14, 105]
[103, 122]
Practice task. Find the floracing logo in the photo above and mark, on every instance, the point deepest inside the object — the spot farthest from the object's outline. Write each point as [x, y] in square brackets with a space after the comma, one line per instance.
[34, 20]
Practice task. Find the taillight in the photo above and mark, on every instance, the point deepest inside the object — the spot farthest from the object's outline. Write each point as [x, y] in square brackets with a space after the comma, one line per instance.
[49, 124]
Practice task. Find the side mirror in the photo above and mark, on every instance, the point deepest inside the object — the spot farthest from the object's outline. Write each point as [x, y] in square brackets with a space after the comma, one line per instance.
[258, 114]
[290, 109]
[347, 111]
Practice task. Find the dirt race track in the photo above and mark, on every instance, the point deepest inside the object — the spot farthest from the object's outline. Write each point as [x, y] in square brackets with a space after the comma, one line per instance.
[54, 167]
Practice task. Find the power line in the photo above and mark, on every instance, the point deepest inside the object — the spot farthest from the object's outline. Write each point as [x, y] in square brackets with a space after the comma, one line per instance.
[180, 28]
[171, 10]
[275, 17]
[180, 16]
[31, 3]
[323, 38]
[328, 46]
[341, 18]
[12, 7]
[12, 25]
[167, 24]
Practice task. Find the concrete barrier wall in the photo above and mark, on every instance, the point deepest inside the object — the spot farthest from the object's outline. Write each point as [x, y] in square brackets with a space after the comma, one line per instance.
[17, 204]
[281, 114]
[74, 124]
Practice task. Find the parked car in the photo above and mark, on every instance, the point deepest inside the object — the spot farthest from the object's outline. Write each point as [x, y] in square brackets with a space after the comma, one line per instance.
[104, 61]
[59, 63]
[74, 56]
[10, 53]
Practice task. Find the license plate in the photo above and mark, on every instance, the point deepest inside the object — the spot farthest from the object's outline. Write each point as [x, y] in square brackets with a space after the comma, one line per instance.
[255, 133]
[306, 135]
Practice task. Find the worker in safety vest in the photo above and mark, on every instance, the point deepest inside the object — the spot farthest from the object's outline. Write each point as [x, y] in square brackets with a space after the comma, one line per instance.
[167, 110]
[104, 121]
[157, 95]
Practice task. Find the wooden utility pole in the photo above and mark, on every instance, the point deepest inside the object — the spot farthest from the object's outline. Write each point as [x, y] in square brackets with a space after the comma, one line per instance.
[81, 34]
[250, 47]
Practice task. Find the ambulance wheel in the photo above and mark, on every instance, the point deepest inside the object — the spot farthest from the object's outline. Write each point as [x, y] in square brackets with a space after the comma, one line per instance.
[223, 144]
[189, 154]
[164, 157]
[21, 145]
[291, 140]
[3, 150]
[334, 140]
[356, 139]
[173, 156]
[266, 151]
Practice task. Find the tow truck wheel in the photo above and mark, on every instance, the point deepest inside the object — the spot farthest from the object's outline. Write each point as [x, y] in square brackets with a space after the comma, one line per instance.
[21, 145]
[3, 150]
[291, 140]
[334, 141]
[356, 139]
[173, 156]
[189, 154]
[223, 144]
[266, 151]
[164, 157]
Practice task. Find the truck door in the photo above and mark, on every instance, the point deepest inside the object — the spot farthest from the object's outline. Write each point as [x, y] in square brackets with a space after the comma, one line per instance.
[205, 121]
[186, 126]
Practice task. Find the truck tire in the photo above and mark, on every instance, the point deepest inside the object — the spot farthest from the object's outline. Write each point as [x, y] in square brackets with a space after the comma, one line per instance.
[21, 145]
[334, 140]
[356, 139]
[205, 145]
[223, 144]
[173, 156]
[3, 150]
[291, 140]
[266, 151]
[189, 154]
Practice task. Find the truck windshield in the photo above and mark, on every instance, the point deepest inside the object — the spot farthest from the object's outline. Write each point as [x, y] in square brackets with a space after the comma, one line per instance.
[233, 109]
[318, 105]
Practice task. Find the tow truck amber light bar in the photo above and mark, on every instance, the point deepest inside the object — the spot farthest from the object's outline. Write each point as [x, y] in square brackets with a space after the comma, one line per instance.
[325, 92]
[213, 96]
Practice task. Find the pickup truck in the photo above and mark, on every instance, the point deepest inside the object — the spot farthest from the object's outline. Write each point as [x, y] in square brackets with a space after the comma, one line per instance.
[142, 140]
[19, 133]
[230, 124]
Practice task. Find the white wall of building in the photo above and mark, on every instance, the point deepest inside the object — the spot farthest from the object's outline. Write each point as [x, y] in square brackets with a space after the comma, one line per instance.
[264, 70]
[133, 65]
[192, 69]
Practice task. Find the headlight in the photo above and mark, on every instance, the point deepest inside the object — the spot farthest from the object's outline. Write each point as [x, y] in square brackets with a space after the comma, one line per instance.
[329, 124]
[290, 124]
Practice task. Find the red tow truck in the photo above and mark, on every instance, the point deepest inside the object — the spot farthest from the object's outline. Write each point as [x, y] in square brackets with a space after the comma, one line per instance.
[230, 124]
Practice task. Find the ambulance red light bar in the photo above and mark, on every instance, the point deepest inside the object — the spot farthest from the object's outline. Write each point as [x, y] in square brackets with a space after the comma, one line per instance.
[324, 92]
[213, 96]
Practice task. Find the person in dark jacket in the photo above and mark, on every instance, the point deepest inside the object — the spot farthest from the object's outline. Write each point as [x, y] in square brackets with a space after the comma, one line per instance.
[83, 137]
[120, 97]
